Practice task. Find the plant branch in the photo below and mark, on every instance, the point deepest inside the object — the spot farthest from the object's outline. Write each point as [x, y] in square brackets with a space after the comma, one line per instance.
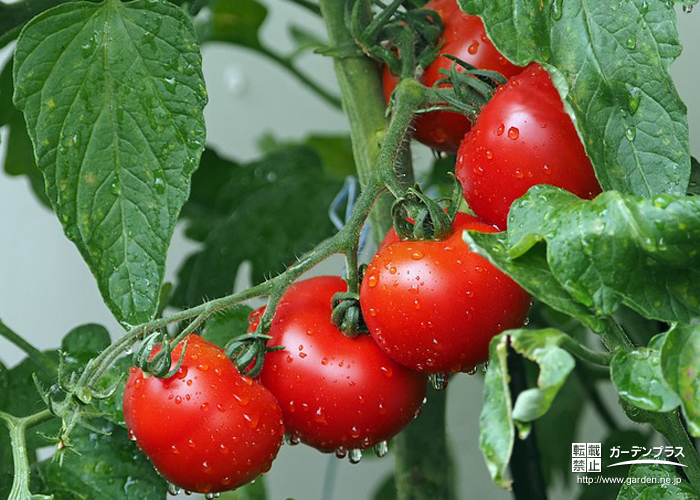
[287, 64]
[41, 359]
[18, 441]
[581, 351]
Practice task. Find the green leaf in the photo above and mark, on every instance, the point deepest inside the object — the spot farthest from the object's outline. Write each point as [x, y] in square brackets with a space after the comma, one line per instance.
[251, 491]
[334, 151]
[113, 96]
[268, 213]
[610, 62]
[85, 342]
[531, 271]
[233, 21]
[109, 466]
[613, 250]
[19, 156]
[639, 487]
[496, 432]
[638, 379]
[680, 359]
[227, 325]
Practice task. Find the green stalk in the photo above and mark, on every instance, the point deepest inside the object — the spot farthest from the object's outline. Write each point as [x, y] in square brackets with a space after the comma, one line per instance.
[363, 102]
[41, 359]
[20, 459]
[424, 469]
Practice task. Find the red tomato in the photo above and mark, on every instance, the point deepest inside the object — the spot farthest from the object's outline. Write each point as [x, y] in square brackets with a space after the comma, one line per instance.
[433, 306]
[335, 392]
[464, 37]
[207, 428]
[523, 137]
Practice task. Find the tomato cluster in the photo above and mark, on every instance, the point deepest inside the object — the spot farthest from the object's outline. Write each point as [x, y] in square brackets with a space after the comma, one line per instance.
[430, 306]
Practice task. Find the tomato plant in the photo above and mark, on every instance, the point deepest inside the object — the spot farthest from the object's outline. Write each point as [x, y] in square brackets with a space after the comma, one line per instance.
[572, 138]
[336, 393]
[433, 306]
[523, 137]
[206, 428]
[464, 37]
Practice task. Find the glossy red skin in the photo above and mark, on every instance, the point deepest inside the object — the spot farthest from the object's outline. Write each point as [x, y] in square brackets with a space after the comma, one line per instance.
[464, 37]
[434, 306]
[334, 391]
[208, 428]
[523, 137]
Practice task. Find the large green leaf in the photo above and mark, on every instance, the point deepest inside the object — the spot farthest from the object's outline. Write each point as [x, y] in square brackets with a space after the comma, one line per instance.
[268, 213]
[113, 95]
[498, 418]
[680, 362]
[656, 482]
[610, 62]
[638, 379]
[614, 250]
[106, 466]
[531, 271]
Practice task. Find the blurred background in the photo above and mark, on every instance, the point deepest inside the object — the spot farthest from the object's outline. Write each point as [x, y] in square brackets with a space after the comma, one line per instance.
[46, 289]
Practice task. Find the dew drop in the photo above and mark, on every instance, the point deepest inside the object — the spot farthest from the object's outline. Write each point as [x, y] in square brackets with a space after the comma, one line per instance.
[204, 407]
[513, 133]
[160, 183]
[634, 97]
[355, 456]
[439, 381]
[631, 133]
[500, 130]
[631, 42]
[206, 467]
[178, 400]
[173, 489]
[132, 436]
[489, 154]
[557, 10]
[174, 449]
[417, 255]
[251, 419]
[473, 47]
[372, 280]
[381, 449]
[340, 452]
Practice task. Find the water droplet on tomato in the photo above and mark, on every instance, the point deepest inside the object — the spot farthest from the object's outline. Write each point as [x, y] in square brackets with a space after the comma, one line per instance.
[355, 432]
[223, 449]
[439, 381]
[206, 467]
[319, 417]
[372, 280]
[203, 367]
[547, 170]
[132, 436]
[392, 270]
[381, 449]
[302, 355]
[417, 255]
[355, 456]
[181, 373]
[513, 133]
[204, 407]
[387, 370]
[473, 47]
[251, 419]
[500, 130]
[382, 409]
[241, 400]
[178, 400]
[416, 304]
[340, 452]
[190, 443]
[489, 154]
[518, 174]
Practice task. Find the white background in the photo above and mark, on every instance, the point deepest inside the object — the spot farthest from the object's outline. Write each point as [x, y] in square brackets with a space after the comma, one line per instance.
[45, 288]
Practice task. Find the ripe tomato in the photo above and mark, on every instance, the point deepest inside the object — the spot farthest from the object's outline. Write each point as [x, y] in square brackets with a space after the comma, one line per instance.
[207, 428]
[464, 37]
[522, 137]
[335, 392]
[433, 306]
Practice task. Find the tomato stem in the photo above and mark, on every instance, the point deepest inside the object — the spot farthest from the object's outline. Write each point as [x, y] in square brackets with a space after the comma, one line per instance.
[20, 457]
